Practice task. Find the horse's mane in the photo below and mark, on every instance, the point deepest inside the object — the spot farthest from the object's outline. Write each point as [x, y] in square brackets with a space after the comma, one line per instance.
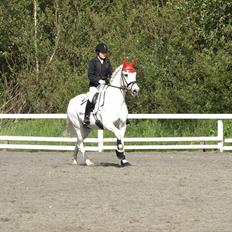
[116, 71]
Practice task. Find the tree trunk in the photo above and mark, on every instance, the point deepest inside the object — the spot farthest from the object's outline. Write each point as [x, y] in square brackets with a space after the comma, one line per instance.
[35, 37]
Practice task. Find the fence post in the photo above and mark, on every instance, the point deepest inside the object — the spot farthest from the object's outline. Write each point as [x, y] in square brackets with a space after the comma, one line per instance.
[220, 135]
[100, 140]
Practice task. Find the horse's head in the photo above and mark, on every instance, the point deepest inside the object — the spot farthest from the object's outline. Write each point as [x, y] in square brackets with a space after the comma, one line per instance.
[129, 77]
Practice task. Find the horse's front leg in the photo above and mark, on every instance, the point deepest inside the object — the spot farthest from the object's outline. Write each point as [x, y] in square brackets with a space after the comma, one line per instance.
[119, 134]
[120, 152]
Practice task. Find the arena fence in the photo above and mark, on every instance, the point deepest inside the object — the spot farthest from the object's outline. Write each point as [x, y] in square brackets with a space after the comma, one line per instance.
[209, 142]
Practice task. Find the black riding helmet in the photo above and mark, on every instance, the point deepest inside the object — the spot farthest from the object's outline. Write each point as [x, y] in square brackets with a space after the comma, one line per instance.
[101, 48]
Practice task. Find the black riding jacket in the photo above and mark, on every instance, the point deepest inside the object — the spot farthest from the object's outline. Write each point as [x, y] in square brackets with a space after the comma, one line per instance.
[98, 71]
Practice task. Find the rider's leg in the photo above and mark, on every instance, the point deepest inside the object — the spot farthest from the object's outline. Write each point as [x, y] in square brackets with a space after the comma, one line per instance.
[88, 110]
[89, 105]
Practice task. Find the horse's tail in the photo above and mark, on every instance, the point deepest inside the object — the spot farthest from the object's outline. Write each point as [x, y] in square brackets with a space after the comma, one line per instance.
[70, 130]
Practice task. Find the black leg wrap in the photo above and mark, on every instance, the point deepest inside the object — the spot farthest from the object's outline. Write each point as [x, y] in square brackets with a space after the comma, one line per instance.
[120, 155]
[119, 142]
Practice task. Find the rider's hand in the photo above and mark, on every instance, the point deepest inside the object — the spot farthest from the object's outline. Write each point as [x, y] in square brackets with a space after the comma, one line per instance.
[102, 82]
[106, 79]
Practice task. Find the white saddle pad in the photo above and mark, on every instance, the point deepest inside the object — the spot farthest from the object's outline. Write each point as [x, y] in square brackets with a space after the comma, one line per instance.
[95, 114]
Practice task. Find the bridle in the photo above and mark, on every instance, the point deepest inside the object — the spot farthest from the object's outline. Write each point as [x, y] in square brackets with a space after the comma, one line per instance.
[125, 84]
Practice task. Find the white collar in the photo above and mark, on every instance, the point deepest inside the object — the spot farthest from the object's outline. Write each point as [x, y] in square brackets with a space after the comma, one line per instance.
[100, 59]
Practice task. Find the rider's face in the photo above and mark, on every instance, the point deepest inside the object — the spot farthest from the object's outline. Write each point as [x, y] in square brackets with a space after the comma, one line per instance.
[102, 55]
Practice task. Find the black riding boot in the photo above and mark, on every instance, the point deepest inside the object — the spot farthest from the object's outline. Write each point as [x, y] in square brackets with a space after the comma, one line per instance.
[88, 110]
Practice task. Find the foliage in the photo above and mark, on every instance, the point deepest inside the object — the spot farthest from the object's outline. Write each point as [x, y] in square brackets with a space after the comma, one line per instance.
[185, 48]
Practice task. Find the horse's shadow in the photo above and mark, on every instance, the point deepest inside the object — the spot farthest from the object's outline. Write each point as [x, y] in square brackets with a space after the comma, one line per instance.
[104, 164]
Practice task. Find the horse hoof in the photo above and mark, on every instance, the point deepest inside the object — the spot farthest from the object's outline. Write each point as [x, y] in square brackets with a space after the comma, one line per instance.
[89, 163]
[125, 163]
[74, 162]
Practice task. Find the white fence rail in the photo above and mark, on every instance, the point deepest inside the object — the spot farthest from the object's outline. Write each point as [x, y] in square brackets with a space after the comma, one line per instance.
[216, 142]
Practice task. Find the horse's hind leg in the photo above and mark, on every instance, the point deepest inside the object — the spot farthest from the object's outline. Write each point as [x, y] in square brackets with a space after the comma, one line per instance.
[82, 133]
[75, 154]
[86, 159]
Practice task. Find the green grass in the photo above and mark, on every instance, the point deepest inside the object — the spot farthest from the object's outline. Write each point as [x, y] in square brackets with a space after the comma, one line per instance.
[137, 128]
[32, 127]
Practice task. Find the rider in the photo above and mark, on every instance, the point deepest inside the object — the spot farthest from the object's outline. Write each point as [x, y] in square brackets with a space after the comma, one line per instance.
[99, 69]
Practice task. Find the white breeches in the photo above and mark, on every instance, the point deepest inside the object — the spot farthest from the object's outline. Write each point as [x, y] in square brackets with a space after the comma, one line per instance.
[91, 93]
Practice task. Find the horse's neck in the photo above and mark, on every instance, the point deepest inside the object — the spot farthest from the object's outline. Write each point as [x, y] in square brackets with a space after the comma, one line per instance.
[114, 100]
[115, 96]
[116, 79]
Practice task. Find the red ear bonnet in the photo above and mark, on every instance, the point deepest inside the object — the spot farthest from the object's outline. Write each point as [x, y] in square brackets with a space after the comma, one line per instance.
[128, 67]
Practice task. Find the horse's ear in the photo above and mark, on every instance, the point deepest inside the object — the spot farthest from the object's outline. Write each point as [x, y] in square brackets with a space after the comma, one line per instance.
[133, 61]
[124, 61]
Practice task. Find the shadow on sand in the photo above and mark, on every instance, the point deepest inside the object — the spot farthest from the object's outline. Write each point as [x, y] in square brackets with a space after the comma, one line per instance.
[104, 164]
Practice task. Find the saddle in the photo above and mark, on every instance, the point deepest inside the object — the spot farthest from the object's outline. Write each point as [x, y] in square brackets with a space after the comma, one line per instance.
[97, 103]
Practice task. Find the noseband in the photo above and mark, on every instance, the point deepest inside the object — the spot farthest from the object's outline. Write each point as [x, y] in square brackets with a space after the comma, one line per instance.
[126, 84]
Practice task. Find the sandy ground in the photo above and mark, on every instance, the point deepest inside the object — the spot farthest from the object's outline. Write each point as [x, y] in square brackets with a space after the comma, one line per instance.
[169, 191]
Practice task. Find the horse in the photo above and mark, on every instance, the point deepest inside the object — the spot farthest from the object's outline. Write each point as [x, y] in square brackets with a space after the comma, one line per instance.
[112, 112]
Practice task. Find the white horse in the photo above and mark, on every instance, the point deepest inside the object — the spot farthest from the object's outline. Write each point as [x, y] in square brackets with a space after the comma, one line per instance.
[112, 112]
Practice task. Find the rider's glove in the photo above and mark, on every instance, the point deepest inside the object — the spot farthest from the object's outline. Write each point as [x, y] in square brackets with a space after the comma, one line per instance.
[102, 82]
[106, 79]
